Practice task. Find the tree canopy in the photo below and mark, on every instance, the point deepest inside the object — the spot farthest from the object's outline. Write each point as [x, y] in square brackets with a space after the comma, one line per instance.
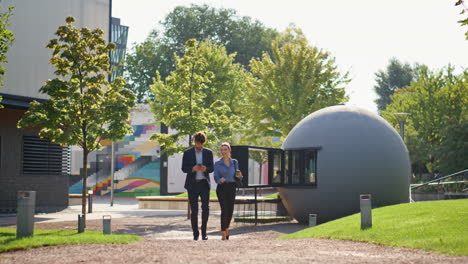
[242, 36]
[437, 102]
[396, 76]
[84, 107]
[296, 80]
[6, 40]
[464, 21]
[201, 94]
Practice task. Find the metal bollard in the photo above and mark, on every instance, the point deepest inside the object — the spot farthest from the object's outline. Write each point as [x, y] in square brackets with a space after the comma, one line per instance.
[312, 219]
[366, 211]
[90, 201]
[25, 213]
[81, 223]
[106, 225]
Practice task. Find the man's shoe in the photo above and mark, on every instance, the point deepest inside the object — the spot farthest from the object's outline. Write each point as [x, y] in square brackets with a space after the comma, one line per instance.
[195, 237]
[205, 237]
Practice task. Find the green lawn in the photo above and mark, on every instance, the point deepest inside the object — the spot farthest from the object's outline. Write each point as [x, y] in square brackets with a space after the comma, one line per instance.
[8, 241]
[272, 196]
[440, 226]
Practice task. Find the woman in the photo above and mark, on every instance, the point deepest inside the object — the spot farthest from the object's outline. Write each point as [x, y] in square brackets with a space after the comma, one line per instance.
[225, 172]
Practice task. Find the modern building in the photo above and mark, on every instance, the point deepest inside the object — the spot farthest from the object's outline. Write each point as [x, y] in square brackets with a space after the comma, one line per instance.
[26, 161]
[328, 160]
[119, 35]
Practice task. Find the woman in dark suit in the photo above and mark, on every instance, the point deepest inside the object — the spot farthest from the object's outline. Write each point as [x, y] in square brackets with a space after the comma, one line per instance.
[226, 170]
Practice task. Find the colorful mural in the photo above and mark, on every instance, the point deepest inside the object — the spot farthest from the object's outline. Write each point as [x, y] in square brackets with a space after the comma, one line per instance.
[137, 161]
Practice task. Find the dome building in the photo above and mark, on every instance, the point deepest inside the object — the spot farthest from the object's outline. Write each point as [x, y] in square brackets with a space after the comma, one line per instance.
[334, 155]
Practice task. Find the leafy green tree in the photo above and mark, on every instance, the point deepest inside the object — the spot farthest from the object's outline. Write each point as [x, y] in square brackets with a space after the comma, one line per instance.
[142, 63]
[84, 107]
[437, 102]
[295, 81]
[6, 40]
[396, 76]
[242, 36]
[200, 95]
[464, 21]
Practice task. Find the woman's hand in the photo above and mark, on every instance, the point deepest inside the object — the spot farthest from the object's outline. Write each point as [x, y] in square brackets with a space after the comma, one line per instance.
[222, 180]
[238, 174]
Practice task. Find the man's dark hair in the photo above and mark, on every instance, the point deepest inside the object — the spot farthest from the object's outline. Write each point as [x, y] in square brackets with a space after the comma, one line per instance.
[199, 137]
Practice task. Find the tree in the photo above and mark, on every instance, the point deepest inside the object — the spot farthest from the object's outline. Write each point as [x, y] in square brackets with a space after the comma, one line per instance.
[396, 76]
[242, 36]
[295, 81]
[142, 63]
[6, 40]
[437, 102]
[84, 107]
[200, 95]
[464, 21]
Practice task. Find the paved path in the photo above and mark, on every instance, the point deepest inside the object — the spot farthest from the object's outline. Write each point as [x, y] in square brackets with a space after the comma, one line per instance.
[167, 238]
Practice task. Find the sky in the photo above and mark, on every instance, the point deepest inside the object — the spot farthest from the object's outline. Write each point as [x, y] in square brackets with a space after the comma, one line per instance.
[362, 35]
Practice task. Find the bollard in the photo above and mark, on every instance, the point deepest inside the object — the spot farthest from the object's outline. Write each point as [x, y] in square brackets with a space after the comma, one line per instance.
[106, 225]
[366, 211]
[312, 219]
[90, 201]
[81, 223]
[25, 213]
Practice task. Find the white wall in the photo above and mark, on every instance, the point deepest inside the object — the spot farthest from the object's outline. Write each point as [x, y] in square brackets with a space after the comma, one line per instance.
[175, 176]
[34, 23]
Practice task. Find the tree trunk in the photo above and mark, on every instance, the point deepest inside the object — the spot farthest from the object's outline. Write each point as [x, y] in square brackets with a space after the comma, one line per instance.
[84, 192]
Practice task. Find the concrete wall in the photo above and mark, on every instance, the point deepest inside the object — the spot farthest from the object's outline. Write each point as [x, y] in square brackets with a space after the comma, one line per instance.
[34, 24]
[52, 191]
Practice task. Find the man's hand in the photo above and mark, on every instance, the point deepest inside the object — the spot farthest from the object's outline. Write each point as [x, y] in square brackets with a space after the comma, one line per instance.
[202, 168]
[196, 168]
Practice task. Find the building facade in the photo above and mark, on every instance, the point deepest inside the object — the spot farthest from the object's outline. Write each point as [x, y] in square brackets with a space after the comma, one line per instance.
[26, 161]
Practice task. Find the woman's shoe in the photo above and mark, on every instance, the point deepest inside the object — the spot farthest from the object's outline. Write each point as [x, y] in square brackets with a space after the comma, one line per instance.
[227, 234]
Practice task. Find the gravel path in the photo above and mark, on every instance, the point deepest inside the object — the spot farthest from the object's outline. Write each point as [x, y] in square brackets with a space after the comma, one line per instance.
[168, 239]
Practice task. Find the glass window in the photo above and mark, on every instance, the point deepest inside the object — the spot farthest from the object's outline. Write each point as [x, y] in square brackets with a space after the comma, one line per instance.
[296, 167]
[310, 167]
[287, 168]
[275, 163]
[258, 167]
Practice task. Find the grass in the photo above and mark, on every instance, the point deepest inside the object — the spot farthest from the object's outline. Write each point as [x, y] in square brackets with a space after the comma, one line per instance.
[272, 196]
[9, 242]
[185, 194]
[440, 226]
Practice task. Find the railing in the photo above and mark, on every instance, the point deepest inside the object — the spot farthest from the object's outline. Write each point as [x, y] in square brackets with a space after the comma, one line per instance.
[442, 181]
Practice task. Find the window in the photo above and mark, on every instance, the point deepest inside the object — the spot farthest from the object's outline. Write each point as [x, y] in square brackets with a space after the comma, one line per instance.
[258, 167]
[275, 163]
[276, 167]
[300, 167]
[296, 167]
[41, 157]
[310, 166]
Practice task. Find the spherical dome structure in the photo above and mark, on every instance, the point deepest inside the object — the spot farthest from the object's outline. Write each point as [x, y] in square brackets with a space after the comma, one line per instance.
[360, 153]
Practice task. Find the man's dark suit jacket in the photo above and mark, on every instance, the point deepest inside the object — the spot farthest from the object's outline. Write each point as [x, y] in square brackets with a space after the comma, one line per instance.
[189, 160]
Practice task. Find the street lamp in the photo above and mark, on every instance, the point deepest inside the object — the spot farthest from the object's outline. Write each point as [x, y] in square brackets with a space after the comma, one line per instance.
[401, 117]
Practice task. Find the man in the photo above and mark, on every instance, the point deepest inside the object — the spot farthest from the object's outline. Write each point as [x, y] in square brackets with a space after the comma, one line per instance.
[197, 162]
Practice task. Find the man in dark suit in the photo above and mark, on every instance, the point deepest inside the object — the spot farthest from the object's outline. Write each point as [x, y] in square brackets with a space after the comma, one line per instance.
[197, 162]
